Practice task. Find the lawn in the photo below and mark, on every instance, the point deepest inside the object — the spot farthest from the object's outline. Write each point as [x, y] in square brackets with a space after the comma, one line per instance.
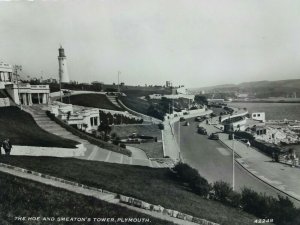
[152, 185]
[25, 198]
[21, 129]
[136, 104]
[143, 129]
[152, 149]
[91, 100]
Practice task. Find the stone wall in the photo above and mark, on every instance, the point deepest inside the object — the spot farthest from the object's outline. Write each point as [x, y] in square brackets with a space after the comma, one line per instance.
[157, 208]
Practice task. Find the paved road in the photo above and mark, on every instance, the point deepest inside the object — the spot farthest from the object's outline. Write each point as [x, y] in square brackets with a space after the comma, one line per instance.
[214, 161]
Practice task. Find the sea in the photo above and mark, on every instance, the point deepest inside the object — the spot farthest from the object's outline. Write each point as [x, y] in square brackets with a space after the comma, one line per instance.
[274, 111]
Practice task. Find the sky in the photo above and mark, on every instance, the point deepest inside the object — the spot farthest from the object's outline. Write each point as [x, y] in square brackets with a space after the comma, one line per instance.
[195, 43]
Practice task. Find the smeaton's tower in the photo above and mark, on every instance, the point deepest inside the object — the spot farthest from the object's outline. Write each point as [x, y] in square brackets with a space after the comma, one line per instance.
[62, 64]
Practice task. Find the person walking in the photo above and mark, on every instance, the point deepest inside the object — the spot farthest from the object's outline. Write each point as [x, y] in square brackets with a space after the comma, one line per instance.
[7, 146]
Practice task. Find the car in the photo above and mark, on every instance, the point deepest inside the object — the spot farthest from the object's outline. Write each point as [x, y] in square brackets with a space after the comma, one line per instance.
[186, 123]
[182, 119]
[202, 130]
[199, 119]
[214, 136]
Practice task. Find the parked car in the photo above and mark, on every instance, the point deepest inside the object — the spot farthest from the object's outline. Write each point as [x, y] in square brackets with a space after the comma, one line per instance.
[186, 123]
[214, 136]
[202, 130]
[182, 119]
[199, 119]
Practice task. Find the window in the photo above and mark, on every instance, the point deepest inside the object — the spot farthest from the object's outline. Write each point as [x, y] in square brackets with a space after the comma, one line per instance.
[92, 121]
[254, 115]
[95, 121]
[258, 114]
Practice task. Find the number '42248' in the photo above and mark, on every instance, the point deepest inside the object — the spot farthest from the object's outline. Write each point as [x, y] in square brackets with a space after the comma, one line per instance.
[263, 221]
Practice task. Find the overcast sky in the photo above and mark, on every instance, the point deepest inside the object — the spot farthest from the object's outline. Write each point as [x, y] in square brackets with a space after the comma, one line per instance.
[192, 42]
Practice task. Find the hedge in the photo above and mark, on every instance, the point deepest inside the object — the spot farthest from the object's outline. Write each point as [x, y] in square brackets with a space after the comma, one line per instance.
[89, 138]
[262, 146]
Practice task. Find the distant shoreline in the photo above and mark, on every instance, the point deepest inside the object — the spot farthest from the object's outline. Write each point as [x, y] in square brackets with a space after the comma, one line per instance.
[264, 101]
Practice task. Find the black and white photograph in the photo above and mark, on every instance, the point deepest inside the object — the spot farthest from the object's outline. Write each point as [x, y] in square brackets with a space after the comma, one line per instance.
[149, 112]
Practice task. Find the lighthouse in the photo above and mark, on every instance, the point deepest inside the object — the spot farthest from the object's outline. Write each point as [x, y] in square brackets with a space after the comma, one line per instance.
[62, 66]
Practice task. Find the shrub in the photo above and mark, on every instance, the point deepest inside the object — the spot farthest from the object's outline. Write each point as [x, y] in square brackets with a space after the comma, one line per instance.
[161, 126]
[234, 199]
[189, 175]
[222, 190]
[257, 204]
[284, 212]
[122, 145]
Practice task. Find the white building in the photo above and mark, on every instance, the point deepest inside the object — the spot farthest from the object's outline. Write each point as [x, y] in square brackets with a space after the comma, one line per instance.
[22, 93]
[6, 74]
[259, 116]
[86, 119]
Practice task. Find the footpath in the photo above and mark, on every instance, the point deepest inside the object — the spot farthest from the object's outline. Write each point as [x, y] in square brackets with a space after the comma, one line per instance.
[280, 176]
[86, 151]
[156, 211]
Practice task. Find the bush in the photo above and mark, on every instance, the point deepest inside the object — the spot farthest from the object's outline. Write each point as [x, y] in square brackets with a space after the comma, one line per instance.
[284, 211]
[189, 175]
[161, 126]
[257, 204]
[122, 145]
[222, 191]
[234, 199]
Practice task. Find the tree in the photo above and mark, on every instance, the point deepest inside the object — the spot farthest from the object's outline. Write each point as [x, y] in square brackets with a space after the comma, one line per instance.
[200, 99]
[104, 126]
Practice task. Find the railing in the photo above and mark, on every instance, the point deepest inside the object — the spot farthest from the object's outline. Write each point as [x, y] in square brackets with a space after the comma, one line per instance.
[39, 86]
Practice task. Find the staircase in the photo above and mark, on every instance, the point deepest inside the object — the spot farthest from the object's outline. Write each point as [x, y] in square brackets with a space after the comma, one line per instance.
[113, 100]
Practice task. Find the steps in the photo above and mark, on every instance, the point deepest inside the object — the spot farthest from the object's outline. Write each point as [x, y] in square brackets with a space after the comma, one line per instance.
[113, 100]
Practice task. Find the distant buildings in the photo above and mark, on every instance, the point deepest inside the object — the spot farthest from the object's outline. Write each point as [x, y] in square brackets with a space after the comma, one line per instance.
[168, 84]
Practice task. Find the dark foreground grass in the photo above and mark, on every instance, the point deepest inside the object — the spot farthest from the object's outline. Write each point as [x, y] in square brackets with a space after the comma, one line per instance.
[23, 198]
[21, 129]
[152, 185]
[92, 100]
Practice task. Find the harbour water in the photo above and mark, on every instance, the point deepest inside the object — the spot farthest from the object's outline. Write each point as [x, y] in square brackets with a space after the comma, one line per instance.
[274, 111]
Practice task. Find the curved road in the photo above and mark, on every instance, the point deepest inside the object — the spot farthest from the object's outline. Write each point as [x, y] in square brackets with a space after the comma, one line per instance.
[214, 161]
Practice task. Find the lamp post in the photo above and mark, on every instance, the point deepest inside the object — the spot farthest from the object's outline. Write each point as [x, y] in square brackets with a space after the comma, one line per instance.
[233, 172]
[179, 141]
[119, 81]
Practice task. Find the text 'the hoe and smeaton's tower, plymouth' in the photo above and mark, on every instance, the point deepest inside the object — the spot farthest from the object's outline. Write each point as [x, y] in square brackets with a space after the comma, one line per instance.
[62, 65]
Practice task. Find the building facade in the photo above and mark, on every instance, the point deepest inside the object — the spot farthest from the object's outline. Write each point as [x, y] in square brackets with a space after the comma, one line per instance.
[21, 93]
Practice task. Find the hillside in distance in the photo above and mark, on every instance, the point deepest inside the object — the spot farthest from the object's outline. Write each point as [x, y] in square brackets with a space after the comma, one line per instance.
[259, 89]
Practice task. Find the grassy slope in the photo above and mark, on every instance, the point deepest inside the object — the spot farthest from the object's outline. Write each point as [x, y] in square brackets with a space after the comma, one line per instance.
[152, 185]
[92, 100]
[21, 197]
[21, 128]
[152, 149]
[147, 130]
[136, 104]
